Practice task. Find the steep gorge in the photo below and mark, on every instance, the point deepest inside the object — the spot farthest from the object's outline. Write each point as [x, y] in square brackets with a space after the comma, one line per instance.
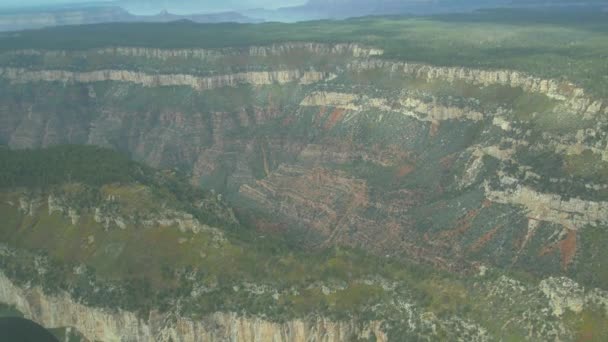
[331, 145]
[243, 126]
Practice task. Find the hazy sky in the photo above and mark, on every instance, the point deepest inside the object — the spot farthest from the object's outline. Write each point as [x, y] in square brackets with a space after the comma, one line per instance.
[24, 3]
[175, 5]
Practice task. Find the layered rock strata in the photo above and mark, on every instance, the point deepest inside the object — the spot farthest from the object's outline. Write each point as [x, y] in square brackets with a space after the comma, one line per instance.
[164, 80]
[98, 324]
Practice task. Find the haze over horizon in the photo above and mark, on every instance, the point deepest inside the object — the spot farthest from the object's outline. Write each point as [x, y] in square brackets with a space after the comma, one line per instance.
[312, 9]
[154, 6]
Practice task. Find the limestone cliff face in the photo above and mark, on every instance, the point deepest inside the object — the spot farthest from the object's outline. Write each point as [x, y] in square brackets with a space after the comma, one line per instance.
[148, 80]
[574, 98]
[572, 213]
[353, 50]
[423, 110]
[552, 88]
[98, 324]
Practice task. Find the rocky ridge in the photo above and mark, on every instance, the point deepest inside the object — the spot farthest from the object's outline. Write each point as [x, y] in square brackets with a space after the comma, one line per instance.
[117, 325]
[555, 89]
[354, 50]
[423, 110]
[110, 213]
[148, 80]
[572, 213]
[543, 307]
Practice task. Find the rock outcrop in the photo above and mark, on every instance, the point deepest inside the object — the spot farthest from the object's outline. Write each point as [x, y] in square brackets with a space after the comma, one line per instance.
[111, 214]
[572, 213]
[164, 80]
[106, 325]
[423, 110]
[284, 49]
[566, 295]
[559, 90]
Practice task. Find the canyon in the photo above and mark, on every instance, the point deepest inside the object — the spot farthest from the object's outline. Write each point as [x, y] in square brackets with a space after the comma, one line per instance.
[326, 146]
[263, 169]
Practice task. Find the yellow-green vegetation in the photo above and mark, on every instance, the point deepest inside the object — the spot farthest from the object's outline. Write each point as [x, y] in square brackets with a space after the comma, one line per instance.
[150, 263]
[447, 296]
[148, 250]
[57, 165]
[159, 259]
[591, 264]
[542, 117]
[355, 296]
[589, 325]
[586, 164]
[115, 252]
[156, 255]
[132, 198]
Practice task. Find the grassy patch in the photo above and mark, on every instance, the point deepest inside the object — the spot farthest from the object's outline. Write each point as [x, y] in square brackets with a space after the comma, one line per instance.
[588, 326]
[588, 165]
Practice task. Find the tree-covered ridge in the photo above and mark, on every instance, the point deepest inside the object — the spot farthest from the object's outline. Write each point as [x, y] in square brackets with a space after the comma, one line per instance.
[95, 172]
[72, 163]
[550, 44]
[142, 266]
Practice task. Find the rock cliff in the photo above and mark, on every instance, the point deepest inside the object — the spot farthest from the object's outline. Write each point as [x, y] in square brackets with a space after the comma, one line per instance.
[117, 325]
[331, 145]
[284, 49]
[147, 80]
[560, 90]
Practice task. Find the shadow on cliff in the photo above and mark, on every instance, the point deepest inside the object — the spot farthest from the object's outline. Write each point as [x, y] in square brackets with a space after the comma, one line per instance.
[16, 329]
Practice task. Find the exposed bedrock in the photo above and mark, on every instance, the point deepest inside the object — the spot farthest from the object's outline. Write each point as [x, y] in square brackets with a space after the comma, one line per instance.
[107, 325]
[445, 164]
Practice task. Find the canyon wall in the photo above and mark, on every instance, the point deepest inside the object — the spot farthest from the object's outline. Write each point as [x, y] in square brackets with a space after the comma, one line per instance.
[284, 49]
[147, 80]
[354, 150]
[106, 325]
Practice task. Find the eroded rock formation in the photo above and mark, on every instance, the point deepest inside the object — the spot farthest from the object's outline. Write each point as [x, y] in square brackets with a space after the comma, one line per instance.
[117, 325]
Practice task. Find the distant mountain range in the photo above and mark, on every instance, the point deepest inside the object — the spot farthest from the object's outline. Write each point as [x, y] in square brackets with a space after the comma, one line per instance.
[48, 17]
[341, 9]
[120, 11]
